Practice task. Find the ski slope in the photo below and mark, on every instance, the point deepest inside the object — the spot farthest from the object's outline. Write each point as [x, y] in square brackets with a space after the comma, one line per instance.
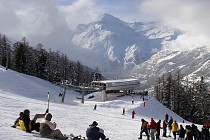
[19, 92]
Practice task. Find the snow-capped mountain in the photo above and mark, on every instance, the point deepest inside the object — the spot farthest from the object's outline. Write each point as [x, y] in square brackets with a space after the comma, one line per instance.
[192, 63]
[113, 45]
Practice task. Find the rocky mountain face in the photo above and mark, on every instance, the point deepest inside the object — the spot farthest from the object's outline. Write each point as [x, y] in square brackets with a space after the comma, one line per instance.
[193, 63]
[114, 46]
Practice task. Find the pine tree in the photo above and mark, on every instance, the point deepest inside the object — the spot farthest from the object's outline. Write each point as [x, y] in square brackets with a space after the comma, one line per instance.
[4, 51]
[41, 62]
[20, 57]
[202, 98]
[79, 72]
[191, 100]
[167, 95]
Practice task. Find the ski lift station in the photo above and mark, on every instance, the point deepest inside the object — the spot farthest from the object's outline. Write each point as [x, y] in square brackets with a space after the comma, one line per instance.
[124, 85]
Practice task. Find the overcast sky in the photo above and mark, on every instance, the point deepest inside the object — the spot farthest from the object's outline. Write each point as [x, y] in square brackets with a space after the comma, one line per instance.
[50, 22]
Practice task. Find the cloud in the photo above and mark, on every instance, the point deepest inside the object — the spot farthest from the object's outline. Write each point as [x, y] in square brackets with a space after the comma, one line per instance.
[50, 22]
[86, 11]
[79, 12]
[39, 21]
[191, 17]
[189, 41]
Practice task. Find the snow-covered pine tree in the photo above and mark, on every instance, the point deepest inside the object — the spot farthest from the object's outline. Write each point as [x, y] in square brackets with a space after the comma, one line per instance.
[3, 50]
[202, 100]
[40, 61]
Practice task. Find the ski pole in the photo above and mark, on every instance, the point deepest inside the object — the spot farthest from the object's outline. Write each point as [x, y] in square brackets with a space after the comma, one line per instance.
[48, 104]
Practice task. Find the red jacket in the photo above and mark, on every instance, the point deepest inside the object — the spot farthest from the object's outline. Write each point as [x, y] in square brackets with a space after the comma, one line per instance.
[164, 124]
[153, 124]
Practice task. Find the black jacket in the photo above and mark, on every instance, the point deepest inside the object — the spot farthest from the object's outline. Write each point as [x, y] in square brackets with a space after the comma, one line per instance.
[182, 133]
[93, 133]
[26, 121]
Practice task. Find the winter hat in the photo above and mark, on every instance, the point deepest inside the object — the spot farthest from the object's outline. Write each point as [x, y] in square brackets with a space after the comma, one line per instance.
[26, 112]
[48, 116]
[94, 123]
[21, 113]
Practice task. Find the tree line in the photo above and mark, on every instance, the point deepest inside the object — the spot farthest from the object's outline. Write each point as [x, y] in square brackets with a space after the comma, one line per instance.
[188, 98]
[48, 65]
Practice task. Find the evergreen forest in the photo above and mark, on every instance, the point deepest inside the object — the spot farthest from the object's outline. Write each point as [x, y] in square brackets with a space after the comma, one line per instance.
[50, 65]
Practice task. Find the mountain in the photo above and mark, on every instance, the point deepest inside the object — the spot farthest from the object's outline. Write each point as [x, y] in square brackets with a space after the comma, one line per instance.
[121, 49]
[113, 45]
[19, 92]
[192, 63]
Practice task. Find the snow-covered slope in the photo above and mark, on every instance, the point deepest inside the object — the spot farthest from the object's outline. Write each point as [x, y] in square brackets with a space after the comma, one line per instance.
[19, 92]
[193, 63]
[113, 45]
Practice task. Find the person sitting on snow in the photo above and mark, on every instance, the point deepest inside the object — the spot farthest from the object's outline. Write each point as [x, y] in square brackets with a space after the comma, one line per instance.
[16, 123]
[47, 128]
[29, 125]
[94, 132]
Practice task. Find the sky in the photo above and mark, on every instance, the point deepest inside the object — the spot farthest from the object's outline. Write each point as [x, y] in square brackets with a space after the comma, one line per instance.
[19, 92]
[51, 22]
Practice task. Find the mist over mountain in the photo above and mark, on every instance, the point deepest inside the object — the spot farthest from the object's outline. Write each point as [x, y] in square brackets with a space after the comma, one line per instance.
[113, 45]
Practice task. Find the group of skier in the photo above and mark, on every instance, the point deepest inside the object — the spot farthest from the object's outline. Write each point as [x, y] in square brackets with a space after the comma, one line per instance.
[189, 133]
[47, 129]
[150, 129]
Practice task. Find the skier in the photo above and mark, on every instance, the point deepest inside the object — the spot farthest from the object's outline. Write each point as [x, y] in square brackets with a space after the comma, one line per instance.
[123, 111]
[175, 128]
[152, 127]
[47, 128]
[144, 128]
[16, 123]
[170, 126]
[205, 131]
[158, 130]
[189, 132]
[144, 104]
[166, 118]
[181, 133]
[132, 100]
[95, 106]
[194, 131]
[164, 128]
[94, 132]
[133, 113]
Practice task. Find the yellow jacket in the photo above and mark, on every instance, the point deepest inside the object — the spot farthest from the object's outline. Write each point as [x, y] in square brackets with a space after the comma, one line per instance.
[175, 126]
[22, 125]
